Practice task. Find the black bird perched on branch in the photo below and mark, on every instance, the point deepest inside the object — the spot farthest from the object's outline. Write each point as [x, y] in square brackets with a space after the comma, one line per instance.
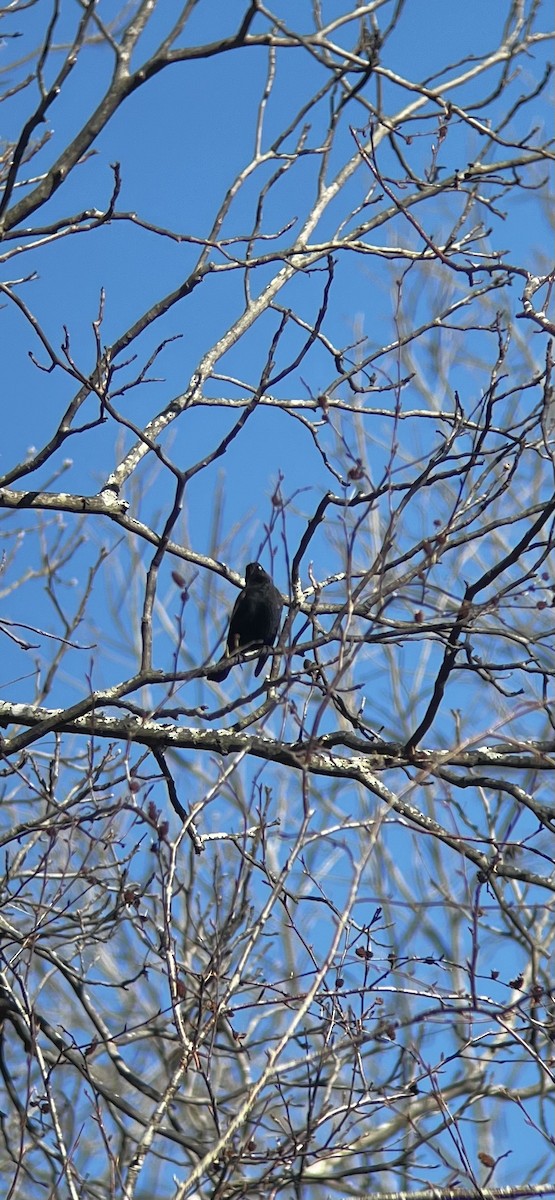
[254, 620]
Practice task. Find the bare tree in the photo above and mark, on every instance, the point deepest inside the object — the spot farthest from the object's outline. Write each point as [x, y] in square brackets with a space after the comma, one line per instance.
[277, 287]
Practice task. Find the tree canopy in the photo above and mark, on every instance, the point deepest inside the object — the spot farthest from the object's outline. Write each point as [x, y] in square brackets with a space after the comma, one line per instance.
[277, 287]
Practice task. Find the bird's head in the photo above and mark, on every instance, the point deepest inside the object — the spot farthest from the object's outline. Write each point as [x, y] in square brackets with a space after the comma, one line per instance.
[254, 574]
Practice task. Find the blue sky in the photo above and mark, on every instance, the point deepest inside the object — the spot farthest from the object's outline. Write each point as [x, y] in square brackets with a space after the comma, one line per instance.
[180, 142]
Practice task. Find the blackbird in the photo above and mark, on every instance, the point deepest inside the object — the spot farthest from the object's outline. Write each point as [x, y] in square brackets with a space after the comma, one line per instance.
[254, 620]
